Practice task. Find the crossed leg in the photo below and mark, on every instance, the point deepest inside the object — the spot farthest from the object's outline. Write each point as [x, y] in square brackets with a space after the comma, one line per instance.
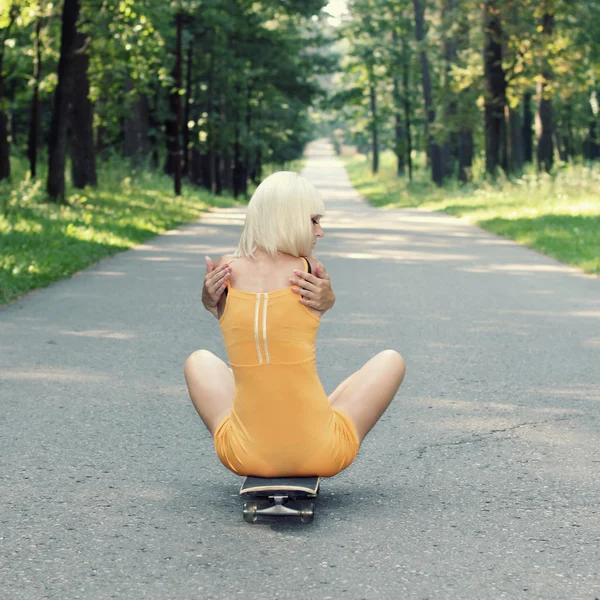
[367, 393]
[364, 396]
[211, 386]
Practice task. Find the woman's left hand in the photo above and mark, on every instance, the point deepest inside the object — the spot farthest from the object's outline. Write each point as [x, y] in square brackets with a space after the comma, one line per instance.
[315, 290]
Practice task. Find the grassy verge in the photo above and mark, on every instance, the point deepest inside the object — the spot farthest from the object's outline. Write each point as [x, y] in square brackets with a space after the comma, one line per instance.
[557, 215]
[41, 242]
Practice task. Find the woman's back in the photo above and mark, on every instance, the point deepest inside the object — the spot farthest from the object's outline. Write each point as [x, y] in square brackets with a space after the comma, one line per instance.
[262, 273]
[267, 328]
[281, 422]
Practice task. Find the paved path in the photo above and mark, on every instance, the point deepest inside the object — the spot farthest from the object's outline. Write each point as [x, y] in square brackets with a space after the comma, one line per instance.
[482, 480]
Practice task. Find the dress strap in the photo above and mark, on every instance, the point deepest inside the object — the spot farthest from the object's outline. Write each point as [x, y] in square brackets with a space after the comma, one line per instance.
[227, 283]
[307, 264]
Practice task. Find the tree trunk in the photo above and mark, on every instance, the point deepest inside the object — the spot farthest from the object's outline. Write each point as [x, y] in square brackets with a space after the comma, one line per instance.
[434, 151]
[218, 163]
[374, 141]
[4, 146]
[238, 119]
[568, 131]
[465, 109]
[188, 108]
[594, 139]
[173, 124]
[171, 134]
[81, 125]
[591, 146]
[211, 111]
[154, 128]
[12, 127]
[592, 143]
[205, 162]
[450, 149]
[527, 135]
[34, 123]
[237, 162]
[465, 154]
[227, 173]
[545, 120]
[399, 136]
[256, 174]
[407, 107]
[561, 145]
[101, 135]
[178, 84]
[495, 89]
[195, 167]
[211, 171]
[398, 129]
[515, 140]
[57, 143]
[136, 137]
[247, 155]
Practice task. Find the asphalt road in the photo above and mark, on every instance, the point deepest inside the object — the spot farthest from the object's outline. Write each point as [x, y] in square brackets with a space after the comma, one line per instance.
[482, 481]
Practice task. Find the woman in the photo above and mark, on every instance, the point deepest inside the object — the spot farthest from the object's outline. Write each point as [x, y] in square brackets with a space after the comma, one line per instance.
[268, 414]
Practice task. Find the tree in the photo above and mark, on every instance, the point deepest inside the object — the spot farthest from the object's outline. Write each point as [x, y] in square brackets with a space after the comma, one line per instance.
[495, 88]
[174, 160]
[34, 125]
[434, 150]
[545, 149]
[62, 99]
[81, 115]
[7, 21]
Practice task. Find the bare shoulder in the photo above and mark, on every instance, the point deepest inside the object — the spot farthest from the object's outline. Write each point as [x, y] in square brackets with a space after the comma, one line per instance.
[223, 259]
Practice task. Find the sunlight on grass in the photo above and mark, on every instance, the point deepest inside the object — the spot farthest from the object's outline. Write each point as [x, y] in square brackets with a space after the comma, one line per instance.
[42, 242]
[558, 214]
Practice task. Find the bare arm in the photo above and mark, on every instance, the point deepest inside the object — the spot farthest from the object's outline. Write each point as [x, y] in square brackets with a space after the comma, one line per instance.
[213, 296]
[314, 289]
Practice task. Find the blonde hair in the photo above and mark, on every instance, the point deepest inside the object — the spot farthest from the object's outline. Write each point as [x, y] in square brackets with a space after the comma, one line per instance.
[279, 216]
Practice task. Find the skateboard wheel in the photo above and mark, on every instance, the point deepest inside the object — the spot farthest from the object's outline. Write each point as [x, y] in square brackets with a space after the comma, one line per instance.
[307, 513]
[249, 512]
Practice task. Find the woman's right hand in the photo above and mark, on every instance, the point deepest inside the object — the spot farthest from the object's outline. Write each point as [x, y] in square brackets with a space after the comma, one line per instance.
[214, 285]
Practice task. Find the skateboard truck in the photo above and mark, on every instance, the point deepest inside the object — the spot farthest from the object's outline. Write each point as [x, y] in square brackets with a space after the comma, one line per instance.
[279, 497]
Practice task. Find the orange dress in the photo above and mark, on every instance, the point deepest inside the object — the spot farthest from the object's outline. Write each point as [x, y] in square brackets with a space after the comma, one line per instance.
[281, 422]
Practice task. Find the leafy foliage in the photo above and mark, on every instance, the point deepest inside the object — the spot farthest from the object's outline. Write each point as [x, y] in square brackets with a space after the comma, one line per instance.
[41, 243]
[454, 44]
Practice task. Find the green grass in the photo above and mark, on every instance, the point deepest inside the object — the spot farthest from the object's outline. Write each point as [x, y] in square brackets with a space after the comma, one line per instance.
[558, 215]
[42, 242]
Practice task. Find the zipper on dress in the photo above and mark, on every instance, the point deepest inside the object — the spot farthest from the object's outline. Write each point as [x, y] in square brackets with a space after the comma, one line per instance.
[265, 297]
[256, 313]
[268, 360]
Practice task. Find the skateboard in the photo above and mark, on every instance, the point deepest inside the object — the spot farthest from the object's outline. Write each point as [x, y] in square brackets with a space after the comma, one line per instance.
[279, 497]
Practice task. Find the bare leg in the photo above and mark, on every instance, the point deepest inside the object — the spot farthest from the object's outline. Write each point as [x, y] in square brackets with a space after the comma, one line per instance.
[366, 394]
[211, 386]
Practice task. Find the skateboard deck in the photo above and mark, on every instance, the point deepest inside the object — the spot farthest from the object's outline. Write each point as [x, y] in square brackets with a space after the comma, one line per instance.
[279, 497]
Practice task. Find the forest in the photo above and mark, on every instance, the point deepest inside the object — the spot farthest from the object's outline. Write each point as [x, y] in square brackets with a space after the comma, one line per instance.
[516, 82]
[205, 90]
[210, 90]
[122, 118]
